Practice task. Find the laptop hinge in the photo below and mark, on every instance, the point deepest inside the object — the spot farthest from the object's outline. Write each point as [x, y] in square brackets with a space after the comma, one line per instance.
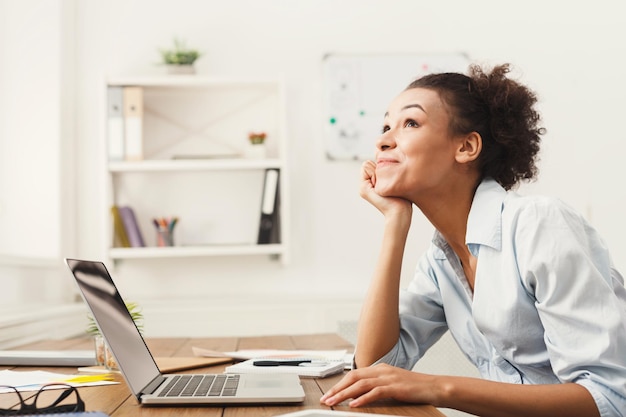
[152, 386]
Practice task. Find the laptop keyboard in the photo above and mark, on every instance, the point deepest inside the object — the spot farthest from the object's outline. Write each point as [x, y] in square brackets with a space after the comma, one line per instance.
[218, 385]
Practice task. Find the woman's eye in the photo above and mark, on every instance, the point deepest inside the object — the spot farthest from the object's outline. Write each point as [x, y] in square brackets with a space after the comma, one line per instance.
[384, 129]
[411, 123]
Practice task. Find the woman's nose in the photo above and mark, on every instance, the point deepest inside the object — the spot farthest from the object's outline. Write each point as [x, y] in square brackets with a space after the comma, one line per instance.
[385, 141]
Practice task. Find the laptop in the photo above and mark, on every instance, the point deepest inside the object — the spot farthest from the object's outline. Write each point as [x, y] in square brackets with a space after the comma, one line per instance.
[139, 368]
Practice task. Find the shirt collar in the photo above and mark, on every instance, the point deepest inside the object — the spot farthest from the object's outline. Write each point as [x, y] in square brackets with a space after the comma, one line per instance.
[484, 223]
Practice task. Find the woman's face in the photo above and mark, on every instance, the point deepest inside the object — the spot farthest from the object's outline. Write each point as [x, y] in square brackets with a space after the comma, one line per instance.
[415, 151]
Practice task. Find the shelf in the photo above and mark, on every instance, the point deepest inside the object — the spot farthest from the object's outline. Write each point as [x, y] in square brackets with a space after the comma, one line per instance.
[195, 81]
[195, 165]
[195, 137]
[192, 251]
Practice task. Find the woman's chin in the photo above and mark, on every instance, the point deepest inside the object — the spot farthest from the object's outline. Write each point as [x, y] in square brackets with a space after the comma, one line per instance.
[383, 191]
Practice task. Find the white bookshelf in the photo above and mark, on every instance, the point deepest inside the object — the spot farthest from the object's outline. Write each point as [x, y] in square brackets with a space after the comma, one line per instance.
[195, 166]
[180, 251]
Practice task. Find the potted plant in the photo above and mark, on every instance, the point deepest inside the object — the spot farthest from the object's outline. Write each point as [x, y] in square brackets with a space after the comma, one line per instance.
[103, 354]
[257, 138]
[257, 145]
[180, 59]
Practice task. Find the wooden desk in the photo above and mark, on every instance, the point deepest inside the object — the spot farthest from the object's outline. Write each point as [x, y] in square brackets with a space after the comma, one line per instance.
[117, 400]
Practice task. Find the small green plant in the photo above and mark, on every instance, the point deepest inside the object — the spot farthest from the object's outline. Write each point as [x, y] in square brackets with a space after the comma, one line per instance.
[180, 55]
[257, 138]
[135, 313]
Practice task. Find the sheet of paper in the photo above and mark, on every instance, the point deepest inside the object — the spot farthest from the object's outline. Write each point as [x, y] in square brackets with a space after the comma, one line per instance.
[244, 354]
[34, 380]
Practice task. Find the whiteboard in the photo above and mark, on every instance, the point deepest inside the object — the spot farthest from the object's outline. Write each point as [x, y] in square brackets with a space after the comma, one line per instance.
[358, 89]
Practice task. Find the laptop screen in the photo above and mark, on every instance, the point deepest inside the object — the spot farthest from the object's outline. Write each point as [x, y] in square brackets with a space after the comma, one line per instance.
[115, 323]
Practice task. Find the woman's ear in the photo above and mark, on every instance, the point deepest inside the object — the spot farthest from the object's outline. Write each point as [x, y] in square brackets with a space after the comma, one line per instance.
[469, 149]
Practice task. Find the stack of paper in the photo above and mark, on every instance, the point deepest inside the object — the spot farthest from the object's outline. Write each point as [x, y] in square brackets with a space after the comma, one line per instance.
[323, 362]
[309, 368]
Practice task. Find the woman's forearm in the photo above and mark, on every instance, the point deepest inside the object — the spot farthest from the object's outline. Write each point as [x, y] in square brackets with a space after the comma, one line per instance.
[497, 399]
[379, 324]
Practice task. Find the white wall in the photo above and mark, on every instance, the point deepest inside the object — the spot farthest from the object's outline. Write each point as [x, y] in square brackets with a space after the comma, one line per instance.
[572, 55]
[30, 112]
[36, 181]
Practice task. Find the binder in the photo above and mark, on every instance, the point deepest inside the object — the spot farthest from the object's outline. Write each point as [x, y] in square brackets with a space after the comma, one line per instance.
[135, 238]
[115, 124]
[133, 122]
[269, 225]
[120, 239]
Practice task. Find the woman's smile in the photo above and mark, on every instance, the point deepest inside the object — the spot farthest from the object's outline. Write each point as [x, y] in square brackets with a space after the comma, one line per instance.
[383, 162]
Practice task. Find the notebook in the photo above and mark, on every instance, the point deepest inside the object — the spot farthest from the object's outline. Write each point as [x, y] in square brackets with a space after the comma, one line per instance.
[140, 370]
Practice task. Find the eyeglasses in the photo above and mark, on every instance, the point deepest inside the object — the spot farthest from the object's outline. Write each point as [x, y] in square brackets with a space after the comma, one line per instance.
[42, 404]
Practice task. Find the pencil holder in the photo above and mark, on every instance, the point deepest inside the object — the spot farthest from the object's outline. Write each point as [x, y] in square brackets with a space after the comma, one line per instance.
[165, 237]
[165, 230]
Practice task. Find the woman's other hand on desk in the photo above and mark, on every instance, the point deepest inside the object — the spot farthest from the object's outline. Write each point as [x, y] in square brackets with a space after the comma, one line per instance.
[382, 381]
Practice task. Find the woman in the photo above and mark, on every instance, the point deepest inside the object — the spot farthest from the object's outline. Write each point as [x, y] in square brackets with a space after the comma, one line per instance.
[525, 286]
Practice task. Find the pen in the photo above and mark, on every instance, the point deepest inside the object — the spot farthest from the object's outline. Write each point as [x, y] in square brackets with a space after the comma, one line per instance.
[295, 362]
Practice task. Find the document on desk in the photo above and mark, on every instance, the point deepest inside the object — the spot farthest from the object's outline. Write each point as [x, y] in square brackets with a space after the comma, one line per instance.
[244, 354]
[304, 367]
[340, 355]
[34, 380]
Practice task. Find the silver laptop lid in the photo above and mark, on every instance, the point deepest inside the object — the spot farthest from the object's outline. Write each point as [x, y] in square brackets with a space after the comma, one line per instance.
[116, 324]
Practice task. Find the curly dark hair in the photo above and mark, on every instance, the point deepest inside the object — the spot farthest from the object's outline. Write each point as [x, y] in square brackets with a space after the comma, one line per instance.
[498, 108]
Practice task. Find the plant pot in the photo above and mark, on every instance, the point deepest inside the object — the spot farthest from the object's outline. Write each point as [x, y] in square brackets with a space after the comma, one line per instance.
[181, 69]
[109, 360]
[255, 151]
[100, 347]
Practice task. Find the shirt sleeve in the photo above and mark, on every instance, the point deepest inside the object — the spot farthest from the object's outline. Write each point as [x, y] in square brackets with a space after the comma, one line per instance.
[422, 318]
[580, 299]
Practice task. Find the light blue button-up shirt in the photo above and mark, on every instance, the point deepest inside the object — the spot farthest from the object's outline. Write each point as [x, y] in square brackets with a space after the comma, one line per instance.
[547, 307]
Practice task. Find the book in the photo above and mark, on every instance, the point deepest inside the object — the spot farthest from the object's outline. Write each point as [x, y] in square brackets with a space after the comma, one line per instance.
[133, 123]
[135, 238]
[309, 369]
[269, 224]
[115, 124]
[120, 238]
